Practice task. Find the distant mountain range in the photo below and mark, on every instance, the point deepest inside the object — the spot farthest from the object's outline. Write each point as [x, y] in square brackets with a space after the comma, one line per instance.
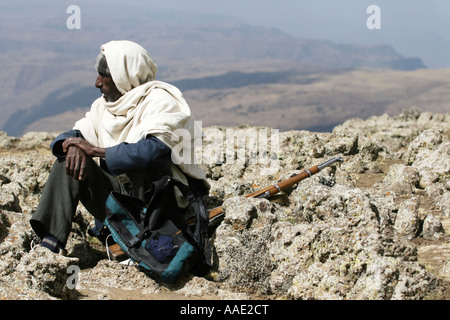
[49, 69]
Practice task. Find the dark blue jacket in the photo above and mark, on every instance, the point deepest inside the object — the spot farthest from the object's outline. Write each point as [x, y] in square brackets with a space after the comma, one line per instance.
[123, 157]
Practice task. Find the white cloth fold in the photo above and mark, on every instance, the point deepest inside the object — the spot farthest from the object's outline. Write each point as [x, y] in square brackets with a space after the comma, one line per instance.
[147, 107]
[130, 64]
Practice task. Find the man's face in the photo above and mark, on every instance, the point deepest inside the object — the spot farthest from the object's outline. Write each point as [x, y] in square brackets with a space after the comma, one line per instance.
[107, 87]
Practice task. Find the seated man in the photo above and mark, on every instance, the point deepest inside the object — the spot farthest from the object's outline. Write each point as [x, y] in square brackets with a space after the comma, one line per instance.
[131, 128]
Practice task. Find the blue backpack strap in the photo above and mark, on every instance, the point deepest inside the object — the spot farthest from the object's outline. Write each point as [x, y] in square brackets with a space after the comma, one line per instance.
[202, 220]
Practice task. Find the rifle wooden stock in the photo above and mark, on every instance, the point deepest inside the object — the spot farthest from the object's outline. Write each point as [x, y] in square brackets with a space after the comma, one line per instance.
[276, 188]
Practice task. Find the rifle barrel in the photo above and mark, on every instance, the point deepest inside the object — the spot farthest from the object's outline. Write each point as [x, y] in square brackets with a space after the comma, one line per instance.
[274, 189]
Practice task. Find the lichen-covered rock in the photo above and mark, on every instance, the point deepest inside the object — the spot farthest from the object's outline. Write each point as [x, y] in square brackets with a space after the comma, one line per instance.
[22, 180]
[407, 223]
[427, 140]
[432, 227]
[241, 243]
[401, 180]
[45, 271]
[349, 232]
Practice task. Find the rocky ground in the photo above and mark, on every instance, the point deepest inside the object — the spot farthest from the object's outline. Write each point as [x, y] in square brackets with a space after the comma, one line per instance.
[373, 227]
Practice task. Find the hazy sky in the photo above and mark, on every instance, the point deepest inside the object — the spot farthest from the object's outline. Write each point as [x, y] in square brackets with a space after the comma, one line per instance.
[413, 27]
[305, 18]
[326, 18]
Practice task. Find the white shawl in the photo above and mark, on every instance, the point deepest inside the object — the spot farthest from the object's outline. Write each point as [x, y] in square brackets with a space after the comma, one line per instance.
[146, 107]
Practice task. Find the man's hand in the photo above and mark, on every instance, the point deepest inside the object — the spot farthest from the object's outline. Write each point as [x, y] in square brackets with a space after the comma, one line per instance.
[76, 163]
[78, 150]
[89, 149]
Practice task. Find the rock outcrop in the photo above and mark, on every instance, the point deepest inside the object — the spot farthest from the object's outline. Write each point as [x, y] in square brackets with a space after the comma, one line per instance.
[356, 230]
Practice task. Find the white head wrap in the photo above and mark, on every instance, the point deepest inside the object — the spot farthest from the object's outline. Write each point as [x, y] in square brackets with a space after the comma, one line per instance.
[130, 64]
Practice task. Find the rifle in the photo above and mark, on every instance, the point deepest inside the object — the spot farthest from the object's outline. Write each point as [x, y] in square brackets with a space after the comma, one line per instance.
[217, 213]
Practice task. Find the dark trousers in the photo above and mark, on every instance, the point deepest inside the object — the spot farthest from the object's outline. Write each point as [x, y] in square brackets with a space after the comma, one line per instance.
[62, 193]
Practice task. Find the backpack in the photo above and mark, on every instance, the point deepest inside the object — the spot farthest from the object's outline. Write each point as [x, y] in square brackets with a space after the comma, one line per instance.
[155, 234]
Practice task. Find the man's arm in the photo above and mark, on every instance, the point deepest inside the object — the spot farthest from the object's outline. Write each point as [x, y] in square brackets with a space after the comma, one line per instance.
[89, 149]
[135, 156]
[124, 156]
[56, 145]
